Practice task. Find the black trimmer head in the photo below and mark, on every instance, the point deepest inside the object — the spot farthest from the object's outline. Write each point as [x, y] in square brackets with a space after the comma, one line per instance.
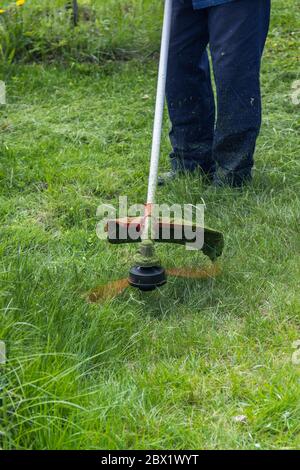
[147, 279]
[147, 274]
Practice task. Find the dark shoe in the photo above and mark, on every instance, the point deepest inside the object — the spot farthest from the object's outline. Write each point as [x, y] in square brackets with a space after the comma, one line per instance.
[171, 175]
[232, 179]
[167, 177]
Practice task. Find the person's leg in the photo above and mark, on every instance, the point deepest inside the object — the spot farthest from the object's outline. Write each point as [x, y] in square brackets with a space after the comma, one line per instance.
[237, 35]
[189, 91]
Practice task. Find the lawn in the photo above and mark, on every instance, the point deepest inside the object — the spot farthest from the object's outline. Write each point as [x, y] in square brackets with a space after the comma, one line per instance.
[177, 367]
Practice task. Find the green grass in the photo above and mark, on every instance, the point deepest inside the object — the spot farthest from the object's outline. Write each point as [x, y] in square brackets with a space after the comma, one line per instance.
[167, 370]
[107, 30]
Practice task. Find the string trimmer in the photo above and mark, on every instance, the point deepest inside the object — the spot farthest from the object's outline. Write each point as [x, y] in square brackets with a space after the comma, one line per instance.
[147, 273]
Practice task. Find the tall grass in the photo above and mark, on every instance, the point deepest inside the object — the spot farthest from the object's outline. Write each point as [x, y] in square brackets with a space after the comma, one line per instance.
[107, 29]
[174, 368]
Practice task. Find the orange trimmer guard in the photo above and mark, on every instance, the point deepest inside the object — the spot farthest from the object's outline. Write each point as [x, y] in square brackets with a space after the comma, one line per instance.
[129, 230]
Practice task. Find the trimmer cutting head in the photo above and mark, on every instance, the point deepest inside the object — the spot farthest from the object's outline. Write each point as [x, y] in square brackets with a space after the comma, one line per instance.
[147, 279]
[147, 274]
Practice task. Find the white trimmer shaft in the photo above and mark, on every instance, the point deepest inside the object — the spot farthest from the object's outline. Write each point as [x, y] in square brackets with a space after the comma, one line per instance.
[159, 111]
